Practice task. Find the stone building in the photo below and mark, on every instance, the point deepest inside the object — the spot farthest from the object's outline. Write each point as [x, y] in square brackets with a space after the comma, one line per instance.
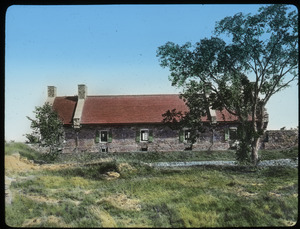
[130, 123]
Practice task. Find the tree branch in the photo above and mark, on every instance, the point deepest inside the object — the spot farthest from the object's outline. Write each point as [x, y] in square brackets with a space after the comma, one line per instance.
[273, 91]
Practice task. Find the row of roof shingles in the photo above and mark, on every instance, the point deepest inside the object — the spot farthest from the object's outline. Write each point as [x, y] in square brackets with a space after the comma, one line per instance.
[225, 116]
[126, 109]
[65, 107]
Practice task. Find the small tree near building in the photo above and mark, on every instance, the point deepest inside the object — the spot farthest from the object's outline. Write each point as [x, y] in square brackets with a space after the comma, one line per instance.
[47, 128]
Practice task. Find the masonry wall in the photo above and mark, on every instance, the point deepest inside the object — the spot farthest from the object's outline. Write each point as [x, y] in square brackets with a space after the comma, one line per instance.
[280, 139]
[124, 139]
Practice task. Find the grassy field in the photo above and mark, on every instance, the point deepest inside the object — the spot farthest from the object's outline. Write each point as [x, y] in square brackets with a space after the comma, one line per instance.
[83, 195]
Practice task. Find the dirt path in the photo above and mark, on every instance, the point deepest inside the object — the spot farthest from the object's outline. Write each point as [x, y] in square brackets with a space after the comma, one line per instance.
[280, 162]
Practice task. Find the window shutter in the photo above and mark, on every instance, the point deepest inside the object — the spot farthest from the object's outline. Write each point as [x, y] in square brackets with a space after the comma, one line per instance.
[226, 134]
[109, 140]
[137, 136]
[97, 136]
[150, 139]
[181, 136]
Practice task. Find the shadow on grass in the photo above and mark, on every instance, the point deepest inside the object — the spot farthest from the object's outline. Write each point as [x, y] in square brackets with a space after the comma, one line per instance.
[91, 171]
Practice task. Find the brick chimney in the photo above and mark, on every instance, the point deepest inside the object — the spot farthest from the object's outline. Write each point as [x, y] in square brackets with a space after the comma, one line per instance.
[51, 94]
[82, 93]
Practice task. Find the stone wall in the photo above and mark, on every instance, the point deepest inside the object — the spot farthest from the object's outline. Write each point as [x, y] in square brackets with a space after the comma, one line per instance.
[124, 139]
[280, 139]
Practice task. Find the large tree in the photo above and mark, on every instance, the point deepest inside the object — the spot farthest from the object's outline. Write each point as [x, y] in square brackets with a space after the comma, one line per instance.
[240, 75]
[47, 127]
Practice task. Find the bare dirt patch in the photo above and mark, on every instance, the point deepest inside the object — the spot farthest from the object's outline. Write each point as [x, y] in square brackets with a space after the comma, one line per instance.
[42, 199]
[121, 201]
[15, 163]
[111, 175]
[48, 200]
[125, 167]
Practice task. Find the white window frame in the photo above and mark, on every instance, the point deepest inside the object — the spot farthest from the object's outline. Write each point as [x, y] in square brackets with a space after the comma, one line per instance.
[188, 134]
[100, 137]
[142, 137]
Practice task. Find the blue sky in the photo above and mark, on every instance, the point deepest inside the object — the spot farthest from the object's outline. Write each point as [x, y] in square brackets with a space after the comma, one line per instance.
[110, 48]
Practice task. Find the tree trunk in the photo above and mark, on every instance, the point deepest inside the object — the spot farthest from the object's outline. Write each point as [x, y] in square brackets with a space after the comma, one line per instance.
[259, 128]
[255, 141]
[255, 148]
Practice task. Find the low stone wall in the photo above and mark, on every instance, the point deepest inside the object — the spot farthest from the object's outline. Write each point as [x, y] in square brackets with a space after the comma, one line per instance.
[280, 139]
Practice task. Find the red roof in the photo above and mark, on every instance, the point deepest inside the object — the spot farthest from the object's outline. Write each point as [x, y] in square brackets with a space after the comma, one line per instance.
[126, 109]
[65, 107]
[129, 108]
[225, 116]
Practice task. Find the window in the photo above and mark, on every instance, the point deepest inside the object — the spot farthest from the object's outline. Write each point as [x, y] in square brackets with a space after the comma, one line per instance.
[144, 135]
[230, 133]
[103, 135]
[187, 135]
[104, 149]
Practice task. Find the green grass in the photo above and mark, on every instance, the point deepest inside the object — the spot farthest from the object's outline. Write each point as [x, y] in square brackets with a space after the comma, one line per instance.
[150, 157]
[191, 197]
[203, 196]
[279, 154]
[25, 151]
[175, 156]
[18, 147]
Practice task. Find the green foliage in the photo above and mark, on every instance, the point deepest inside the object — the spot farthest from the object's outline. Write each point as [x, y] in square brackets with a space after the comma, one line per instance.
[32, 138]
[48, 126]
[267, 45]
[214, 73]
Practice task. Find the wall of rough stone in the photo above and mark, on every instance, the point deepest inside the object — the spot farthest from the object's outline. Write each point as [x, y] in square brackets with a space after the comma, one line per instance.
[124, 139]
[280, 139]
